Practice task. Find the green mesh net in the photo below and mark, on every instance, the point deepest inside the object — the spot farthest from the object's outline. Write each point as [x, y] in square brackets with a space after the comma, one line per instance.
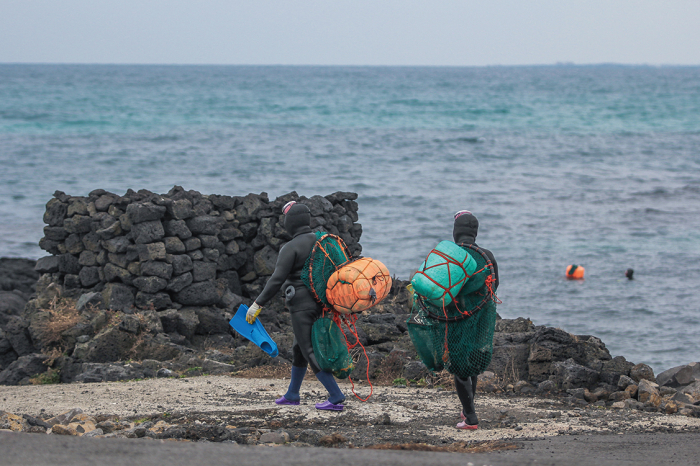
[328, 254]
[458, 338]
[330, 348]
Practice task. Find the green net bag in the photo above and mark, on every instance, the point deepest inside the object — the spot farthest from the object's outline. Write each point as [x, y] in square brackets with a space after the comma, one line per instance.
[327, 255]
[330, 348]
[458, 338]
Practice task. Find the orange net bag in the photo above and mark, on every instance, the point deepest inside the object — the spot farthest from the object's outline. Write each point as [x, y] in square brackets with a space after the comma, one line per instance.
[358, 285]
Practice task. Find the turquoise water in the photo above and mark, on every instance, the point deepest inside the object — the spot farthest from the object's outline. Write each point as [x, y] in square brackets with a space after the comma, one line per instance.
[598, 166]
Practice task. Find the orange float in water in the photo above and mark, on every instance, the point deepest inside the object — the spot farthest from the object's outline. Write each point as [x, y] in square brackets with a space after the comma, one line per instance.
[358, 285]
[575, 272]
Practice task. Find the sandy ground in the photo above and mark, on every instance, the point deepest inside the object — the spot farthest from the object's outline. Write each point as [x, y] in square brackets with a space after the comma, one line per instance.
[414, 414]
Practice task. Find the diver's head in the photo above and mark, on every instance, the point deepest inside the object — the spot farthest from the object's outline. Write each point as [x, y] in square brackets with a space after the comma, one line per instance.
[297, 218]
[465, 227]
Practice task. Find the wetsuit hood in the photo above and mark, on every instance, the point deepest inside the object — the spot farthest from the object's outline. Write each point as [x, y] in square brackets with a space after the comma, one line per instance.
[297, 220]
[465, 228]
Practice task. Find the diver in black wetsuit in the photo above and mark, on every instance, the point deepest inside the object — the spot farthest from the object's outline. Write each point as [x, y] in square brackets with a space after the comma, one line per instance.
[465, 229]
[301, 304]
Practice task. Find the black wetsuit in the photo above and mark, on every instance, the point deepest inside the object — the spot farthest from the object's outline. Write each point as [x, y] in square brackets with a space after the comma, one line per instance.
[465, 229]
[298, 298]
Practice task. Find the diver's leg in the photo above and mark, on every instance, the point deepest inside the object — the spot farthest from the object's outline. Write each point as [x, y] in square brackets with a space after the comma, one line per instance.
[298, 371]
[466, 397]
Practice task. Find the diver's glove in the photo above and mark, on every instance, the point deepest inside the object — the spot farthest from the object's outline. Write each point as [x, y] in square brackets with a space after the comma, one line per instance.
[253, 313]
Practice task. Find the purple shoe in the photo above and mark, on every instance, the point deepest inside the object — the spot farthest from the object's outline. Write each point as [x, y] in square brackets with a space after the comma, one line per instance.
[328, 406]
[283, 401]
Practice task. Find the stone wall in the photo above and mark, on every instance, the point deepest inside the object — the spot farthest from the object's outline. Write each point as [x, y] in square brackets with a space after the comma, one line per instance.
[161, 251]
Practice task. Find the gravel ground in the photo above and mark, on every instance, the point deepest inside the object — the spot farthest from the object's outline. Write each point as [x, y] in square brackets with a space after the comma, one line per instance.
[391, 416]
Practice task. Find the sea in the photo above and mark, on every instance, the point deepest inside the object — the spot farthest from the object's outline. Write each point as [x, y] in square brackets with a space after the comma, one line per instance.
[597, 166]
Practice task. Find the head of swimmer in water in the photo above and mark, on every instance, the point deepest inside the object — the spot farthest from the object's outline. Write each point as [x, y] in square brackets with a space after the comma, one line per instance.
[465, 227]
[297, 218]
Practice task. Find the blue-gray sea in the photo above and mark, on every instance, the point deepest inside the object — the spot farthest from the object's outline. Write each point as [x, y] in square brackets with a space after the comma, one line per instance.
[595, 165]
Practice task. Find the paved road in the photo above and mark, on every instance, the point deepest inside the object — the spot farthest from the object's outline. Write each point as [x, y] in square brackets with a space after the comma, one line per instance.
[596, 450]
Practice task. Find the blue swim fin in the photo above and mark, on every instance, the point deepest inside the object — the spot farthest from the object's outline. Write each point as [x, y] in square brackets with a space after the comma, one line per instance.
[254, 332]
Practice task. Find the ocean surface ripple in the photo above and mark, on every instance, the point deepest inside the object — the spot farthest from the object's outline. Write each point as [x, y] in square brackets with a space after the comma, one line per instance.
[597, 166]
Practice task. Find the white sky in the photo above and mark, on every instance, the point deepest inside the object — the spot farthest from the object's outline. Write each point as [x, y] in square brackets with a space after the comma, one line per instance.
[351, 32]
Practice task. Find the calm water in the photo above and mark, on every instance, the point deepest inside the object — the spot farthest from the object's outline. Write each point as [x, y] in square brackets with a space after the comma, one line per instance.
[598, 166]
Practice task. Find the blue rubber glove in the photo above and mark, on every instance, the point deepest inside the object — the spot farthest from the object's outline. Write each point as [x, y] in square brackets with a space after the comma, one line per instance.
[253, 313]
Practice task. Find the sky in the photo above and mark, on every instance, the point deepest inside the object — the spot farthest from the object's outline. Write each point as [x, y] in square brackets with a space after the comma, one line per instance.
[351, 32]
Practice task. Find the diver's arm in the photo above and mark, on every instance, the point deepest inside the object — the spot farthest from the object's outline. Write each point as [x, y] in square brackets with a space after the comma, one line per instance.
[495, 271]
[285, 262]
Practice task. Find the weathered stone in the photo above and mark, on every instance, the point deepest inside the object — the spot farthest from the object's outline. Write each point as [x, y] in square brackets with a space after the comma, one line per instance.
[87, 259]
[227, 234]
[55, 212]
[47, 264]
[71, 282]
[206, 293]
[193, 244]
[151, 252]
[692, 391]
[114, 273]
[150, 284]
[118, 297]
[211, 254]
[117, 245]
[274, 437]
[211, 321]
[68, 263]
[148, 232]
[619, 396]
[115, 229]
[642, 371]
[157, 269]
[174, 245]
[648, 392]
[205, 225]
[265, 261]
[77, 206]
[178, 283]
[624, 382]
[144, 212]
[118, 259]
[130, 324]
[89, 276]
[414, 370]
[177, 228]
[632, 390]
[169, 320]
[249, 207]
[569, 374]
[112, 344]
[181, 209]
[104, 202]
[59, 429]
[77, 224]
[146, 300]
[23, 368]
[233, 283]
[88, 300]
[612, 370]
[181, 264]
[204, 271]
[680, 375]
[187, 322]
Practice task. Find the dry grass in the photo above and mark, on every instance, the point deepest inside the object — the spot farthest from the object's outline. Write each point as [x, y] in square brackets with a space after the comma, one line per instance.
[62, 316]
[457, 447]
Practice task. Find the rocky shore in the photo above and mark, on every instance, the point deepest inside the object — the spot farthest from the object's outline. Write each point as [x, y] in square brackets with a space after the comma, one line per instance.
[142, 286]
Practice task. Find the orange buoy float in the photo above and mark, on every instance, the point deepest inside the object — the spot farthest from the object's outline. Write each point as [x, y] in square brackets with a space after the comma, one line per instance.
[575, 272]
[358, 285]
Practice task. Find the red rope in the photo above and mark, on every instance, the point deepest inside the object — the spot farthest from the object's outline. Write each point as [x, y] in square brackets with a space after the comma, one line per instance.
[351, 324]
